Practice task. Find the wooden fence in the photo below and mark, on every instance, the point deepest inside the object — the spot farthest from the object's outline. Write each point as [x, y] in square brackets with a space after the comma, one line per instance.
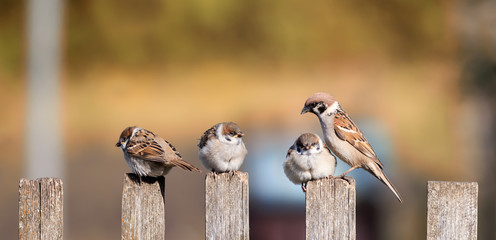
[330, 208]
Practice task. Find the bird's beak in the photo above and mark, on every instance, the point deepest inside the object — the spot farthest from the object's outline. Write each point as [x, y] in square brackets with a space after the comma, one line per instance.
[118, 144]
[305, 110]
[307, 147]
[240, 135]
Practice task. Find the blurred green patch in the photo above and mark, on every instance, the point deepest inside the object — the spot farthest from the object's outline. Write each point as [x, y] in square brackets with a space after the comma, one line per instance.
[12, 19]
[137, 33]
[132, 33]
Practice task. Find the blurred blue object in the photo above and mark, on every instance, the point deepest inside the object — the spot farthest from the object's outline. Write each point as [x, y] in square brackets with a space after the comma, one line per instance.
[270, 186]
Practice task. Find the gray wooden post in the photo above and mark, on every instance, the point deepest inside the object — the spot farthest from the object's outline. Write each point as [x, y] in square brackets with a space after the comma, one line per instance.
[330, 209]
[226, 206]
[452, 210]
[29, 209]
[143, 201]
[41, 209]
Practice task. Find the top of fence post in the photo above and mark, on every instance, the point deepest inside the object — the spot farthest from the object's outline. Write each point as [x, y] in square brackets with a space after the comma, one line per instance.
[143, 208]
[226, 206]
[330, 209]
[41, 209]
[451, 210]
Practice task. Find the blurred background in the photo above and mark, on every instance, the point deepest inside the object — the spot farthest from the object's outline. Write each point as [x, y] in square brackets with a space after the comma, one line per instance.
[418, 77]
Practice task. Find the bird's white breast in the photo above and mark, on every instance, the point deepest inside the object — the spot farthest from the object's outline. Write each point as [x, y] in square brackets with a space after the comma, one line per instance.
[343, 149]
[223, 156]
[304, 167]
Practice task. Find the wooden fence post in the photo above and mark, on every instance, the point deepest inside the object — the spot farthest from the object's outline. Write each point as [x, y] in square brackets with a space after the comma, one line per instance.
[143, 201]
[452, 210]
[330, 209]
[41, 209]
[29, 209]
[226, 206]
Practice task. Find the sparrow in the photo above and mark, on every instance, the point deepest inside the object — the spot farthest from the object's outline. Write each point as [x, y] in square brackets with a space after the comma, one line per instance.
[344, 138]
[148, 154]
[222, 148]
[308, 159]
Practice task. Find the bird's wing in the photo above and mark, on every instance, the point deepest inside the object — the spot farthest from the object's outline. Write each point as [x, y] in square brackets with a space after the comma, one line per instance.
[347, 130]
[145, 146]
[290, 151]
[207, 135]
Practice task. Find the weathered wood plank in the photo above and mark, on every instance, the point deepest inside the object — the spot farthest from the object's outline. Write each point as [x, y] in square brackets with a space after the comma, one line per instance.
[226, 206]
[51, 208]
[452, 210]
[143, 201]
[330, 209]
[29, 210]
[41, 209]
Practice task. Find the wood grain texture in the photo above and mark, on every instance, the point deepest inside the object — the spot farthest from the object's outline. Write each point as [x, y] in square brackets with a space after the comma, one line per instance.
[330, 209]
[51, 208]
[41, 209]
[29, 210]
[143, 205]
[452, 210]
[226, 206]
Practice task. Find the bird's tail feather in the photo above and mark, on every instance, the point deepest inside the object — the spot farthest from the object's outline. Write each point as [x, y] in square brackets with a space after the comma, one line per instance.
[381, 176]
[184, 165]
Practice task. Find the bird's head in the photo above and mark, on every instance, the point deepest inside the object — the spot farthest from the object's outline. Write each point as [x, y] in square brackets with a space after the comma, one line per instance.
[125, 136]
[308, 143]
[319, 103]
[230, 132]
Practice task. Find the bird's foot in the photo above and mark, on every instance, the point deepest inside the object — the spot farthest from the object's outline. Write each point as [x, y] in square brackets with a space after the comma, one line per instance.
[214, 173]
[304, 187]
[346, 178]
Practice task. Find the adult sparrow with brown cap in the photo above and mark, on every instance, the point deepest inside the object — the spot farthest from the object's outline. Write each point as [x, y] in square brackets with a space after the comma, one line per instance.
[344, 138]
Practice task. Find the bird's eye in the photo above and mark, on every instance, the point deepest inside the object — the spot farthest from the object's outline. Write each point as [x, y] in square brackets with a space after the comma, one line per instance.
[321, 107]
[232, 133]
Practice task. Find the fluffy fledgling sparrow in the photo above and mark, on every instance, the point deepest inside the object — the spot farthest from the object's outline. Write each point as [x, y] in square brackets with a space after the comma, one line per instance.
[308, 159]
[222, 148]
[344, 138]
[148, 154]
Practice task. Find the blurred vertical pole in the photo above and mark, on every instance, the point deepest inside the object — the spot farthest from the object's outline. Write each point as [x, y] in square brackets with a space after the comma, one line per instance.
[44, 129]
[476, 21]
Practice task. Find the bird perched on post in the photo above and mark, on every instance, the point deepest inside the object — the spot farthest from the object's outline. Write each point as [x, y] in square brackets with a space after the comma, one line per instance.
[148, 154]
[308, 159]
[222, 148]
[344, 138]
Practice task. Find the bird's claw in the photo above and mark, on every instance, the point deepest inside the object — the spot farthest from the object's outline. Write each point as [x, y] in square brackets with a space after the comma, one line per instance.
[346, 178]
